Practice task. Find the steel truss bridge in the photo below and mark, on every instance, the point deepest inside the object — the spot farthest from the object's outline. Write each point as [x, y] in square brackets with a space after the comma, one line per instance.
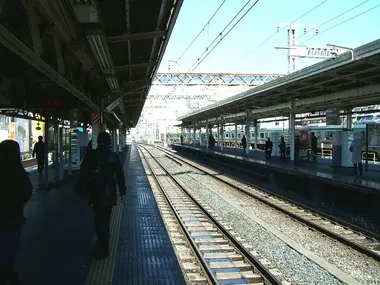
[213, 79]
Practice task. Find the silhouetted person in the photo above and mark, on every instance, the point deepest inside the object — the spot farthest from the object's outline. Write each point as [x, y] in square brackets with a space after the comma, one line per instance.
[244, 143]
[282, 148]
[181, 137]
[15, 191]
[39, 152]
[211, 141]
[314, 146]
[356, 150]
[297, 147]
[268, 149]
[101, 172]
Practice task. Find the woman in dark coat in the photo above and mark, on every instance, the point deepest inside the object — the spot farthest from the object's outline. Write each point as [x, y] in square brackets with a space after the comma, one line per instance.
[15, 191]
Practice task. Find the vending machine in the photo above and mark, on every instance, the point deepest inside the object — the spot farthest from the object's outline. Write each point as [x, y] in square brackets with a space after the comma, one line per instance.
[79, 141]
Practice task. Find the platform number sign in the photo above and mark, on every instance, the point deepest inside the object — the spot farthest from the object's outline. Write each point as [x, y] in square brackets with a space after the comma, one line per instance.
[53, 103]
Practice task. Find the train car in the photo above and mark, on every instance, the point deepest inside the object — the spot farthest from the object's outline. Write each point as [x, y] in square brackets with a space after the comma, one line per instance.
[321, 131]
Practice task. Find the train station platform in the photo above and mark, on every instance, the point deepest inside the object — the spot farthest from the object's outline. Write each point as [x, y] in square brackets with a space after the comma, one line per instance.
[320, 170]
[58, 238]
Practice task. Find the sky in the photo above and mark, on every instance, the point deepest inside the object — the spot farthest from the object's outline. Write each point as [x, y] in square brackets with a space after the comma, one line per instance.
[243, 50]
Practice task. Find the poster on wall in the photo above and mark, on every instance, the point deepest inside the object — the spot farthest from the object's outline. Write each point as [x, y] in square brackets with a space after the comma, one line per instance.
[374, 135]
[38, 129]
[11, 131]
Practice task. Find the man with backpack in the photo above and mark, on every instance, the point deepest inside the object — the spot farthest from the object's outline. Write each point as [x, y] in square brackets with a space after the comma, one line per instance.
[100, 174]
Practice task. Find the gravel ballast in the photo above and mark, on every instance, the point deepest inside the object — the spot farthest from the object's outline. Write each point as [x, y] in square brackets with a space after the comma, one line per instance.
[237, 209]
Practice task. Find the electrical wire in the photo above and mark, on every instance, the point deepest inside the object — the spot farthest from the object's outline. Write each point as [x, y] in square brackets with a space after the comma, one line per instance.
[221, 33]
[332, 19]
[202, 30]
[274, 34]
[343, 22]
[242, 17]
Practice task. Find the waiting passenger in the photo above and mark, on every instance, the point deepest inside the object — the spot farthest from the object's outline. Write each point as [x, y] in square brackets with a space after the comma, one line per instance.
[297, 148]
[356, 150]
[16, 190]
[244, 143]
[181, 137]
[39, 152]
[314, 146]
[211, 142]
[268, 149]
[282, 147]
[100, 174]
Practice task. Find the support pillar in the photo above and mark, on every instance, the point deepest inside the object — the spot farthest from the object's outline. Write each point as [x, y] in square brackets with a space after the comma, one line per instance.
[46, 140]
[349, 119]
[56, 149]
[366, 146]
[255, 124]
[207, 136]
[292, 131]
[61, 163]
[70, 156]
[94, 136]
[218, 137]
[236, 137]
[247, 136]
[221, 136]
[194, 130]
[114, 140]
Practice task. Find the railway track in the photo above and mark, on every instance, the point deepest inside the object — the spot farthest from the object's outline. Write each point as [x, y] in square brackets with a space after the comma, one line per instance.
[224, 257]
[359, 239]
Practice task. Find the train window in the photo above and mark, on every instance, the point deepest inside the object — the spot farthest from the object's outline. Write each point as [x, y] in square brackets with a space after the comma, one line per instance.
[239, 136]
[262, 135]
[216, 135]
[226, 135]
[232, 135]
[329, 136]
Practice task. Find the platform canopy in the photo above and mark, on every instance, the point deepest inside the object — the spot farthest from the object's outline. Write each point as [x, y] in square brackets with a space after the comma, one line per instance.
[346, 81]
[90, 55]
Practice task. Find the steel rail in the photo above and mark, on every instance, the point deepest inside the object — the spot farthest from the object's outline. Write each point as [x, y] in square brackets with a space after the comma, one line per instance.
[299, 218]
[264, 272]
[210, 276]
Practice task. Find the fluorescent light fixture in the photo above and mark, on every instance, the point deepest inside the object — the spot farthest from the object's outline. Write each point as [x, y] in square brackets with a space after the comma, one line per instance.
[113, 83]
[100, 49]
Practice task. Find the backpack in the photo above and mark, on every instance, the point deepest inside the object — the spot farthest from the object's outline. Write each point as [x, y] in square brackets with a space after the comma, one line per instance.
[95, 177]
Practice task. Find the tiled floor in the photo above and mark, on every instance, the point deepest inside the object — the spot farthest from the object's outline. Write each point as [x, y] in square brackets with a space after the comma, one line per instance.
[57, 240]
[145, 253]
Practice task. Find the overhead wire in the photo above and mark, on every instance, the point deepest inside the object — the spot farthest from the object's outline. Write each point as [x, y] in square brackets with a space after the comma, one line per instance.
[192, 68]
[202, 30]
[343, 22]
[199, 60]
[275, 33]
[332, 19]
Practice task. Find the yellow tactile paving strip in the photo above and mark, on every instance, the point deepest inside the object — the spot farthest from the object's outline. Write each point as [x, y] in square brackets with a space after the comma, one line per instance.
[101, 271]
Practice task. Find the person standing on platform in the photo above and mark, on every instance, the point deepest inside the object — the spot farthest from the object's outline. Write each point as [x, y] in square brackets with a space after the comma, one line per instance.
[282, 147]
[244, 143]
[356, 150]
[297, 148]
[211, 141]
[314, 146]
[268, 149]
[100, 174]
[39, 152]
[181, 137]
[15, 191]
